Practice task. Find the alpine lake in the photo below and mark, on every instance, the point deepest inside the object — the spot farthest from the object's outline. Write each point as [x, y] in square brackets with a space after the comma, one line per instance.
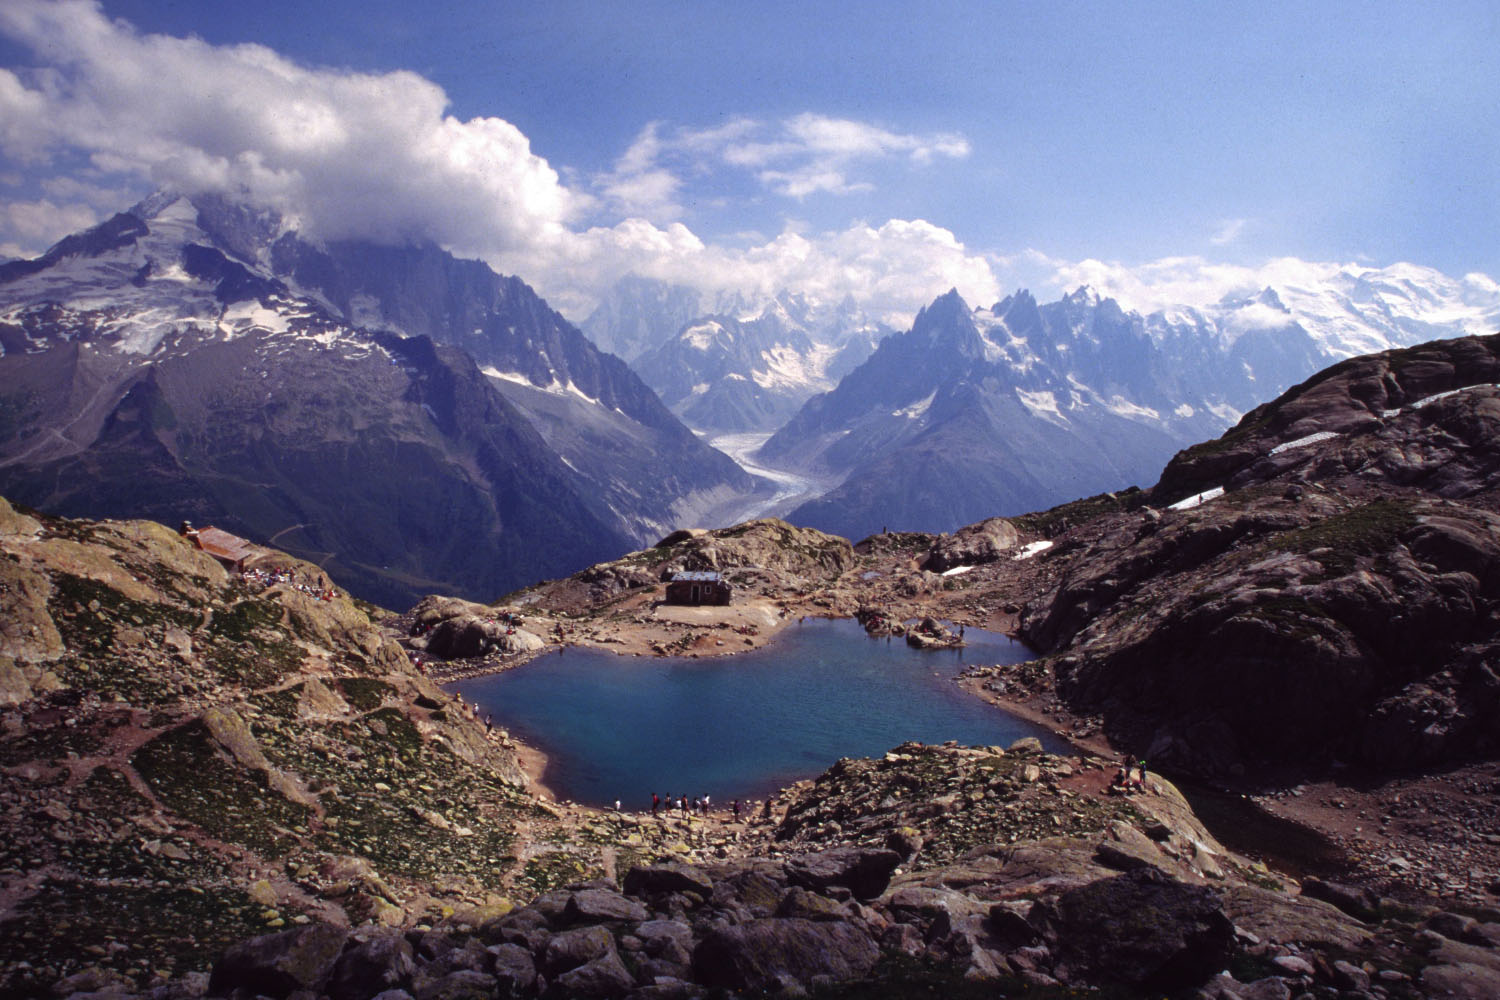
[742, 726]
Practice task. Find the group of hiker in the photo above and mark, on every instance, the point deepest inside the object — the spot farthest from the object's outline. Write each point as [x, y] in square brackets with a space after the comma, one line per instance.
[271, 576]
[1124, 783]
[700, 805]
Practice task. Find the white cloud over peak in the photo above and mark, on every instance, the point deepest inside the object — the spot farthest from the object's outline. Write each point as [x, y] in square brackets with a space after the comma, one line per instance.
[343, 154]
[892, 270]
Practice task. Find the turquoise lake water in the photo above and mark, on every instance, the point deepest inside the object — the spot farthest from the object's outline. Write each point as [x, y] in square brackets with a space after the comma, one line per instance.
[621, 727]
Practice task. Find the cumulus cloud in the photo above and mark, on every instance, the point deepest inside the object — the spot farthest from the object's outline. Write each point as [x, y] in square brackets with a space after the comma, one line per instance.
[377, 156]
[343, 153]
[41, 223]
[892, 270]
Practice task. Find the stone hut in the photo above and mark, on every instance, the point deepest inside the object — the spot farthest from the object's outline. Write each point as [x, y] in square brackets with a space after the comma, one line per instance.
[698, 588]
[231, 550]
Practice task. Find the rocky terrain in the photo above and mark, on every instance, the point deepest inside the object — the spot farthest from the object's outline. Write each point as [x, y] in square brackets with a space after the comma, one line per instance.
[211, 784]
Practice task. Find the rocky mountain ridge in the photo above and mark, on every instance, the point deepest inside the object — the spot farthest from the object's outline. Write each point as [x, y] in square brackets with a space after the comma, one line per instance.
[749, 370]
[170, 727]
[193, 359]
[1015, 408]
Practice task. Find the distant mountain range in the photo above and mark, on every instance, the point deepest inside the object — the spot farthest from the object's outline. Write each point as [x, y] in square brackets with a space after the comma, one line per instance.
[1021, 406]
[416, 422]
[413, 421]
[742, 366]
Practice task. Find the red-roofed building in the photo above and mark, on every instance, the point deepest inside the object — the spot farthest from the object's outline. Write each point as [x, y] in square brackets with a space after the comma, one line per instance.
[231, 550]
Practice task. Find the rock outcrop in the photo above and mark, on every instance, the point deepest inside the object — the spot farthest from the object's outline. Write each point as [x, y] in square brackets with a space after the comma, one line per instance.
[1336, 603]
[974, 545]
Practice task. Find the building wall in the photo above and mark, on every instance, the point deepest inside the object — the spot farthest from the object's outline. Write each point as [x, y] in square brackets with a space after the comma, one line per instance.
[698, 592]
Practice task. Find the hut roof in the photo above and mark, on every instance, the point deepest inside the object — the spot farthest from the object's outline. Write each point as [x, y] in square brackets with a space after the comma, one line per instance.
[222, 545]
[696, 576]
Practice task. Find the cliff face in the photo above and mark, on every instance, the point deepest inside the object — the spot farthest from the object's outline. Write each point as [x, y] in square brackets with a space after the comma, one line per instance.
[1336, 603]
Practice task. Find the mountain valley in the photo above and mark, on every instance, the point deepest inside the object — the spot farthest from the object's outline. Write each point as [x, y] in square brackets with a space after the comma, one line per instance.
[1299, 613]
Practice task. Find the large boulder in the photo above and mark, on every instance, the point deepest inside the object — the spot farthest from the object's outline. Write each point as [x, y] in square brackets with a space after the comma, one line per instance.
[1143, 929]
[863, 871]
[600, 906]
[276, 965]
[514, 969]
[781, 953]
[571, 949]
[651, 880]
[467, 636]
[603, 977]
[377, 959]
[975, 545]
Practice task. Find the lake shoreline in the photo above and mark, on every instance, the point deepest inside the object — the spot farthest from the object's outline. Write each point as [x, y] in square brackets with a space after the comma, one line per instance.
[677, 724]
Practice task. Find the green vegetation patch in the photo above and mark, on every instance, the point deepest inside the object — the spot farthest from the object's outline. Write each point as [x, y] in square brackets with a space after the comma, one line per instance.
[193, 777]
[137, 854]
[1049, 522]
[365, 694]
[281, 704]
[1369, 530]
[55, 742]
[85, 611]
[407, 804]
[60, 931]
[252, 649]
[240, 621]
[553, 870]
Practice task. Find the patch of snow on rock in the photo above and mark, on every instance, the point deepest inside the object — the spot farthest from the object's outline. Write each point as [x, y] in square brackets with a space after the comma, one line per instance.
[1032, 549]
[1197, 499]
[917, 409]
[1303, 442]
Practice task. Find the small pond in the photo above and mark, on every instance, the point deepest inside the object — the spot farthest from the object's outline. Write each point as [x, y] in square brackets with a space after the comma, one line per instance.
[621, 727]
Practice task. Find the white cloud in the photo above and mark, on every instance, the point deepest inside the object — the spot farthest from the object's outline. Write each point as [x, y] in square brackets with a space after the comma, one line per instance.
[41, 223]
[813, 153]
[892, 269]
[345, 154]
[802, 156]
[1229, 230]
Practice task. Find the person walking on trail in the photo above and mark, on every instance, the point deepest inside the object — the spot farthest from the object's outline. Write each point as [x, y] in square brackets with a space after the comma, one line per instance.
[655, 803]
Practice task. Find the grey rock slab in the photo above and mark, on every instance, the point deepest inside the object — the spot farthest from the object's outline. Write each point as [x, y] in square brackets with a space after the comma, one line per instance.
[375, 959]
[279, 964]
[864, 872]
[598, 906]
[765, 954]
[603, 977]
[667, 878]
[571, 949]
[1143, 929]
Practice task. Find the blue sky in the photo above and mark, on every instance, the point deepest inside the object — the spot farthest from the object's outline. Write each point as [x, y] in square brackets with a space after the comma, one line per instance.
[875, 148]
